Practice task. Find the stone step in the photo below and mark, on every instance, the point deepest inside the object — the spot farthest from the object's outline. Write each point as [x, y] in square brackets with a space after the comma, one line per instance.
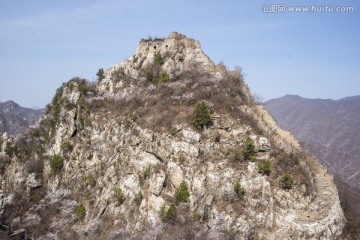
[327, 194]
[321, 182]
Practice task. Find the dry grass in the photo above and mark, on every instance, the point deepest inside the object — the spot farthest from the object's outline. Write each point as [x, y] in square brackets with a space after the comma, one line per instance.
[162, 106]
[290, 163]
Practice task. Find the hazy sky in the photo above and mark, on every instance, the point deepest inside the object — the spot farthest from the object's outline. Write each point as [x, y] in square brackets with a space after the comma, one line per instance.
[44, 43]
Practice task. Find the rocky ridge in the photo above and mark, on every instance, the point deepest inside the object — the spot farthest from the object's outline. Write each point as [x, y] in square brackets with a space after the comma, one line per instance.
[108, 159]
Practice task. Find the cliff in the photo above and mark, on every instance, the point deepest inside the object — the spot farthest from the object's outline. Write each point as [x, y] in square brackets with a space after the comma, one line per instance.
[166, 145]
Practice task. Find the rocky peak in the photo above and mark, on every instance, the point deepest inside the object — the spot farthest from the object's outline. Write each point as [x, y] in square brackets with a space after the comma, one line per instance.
[169, 57]
[169, 148]
[8, 106]
[15, 119]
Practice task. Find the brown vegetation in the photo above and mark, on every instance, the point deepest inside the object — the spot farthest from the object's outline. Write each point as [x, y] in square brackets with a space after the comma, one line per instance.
[160, 107]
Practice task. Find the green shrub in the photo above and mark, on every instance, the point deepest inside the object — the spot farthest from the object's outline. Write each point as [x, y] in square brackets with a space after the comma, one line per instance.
[55, 107]
[158, 59]
[58, 94]
[10, 150]
[135, 58]
[145, 174]
[201, 152]
[239, 190]
[150, 76]
[287, 181]
[201, 116]
[67, 147]
[196, 216]
[217, 136]
[81, 211]
[119, 195]
[100, 74]
[164, 77]
[173, 131]
[264, 168]
[36, 133]
[249, 151]
[157, 78]
[2, 166]
[40, 151]
[90, 180]
[130, 119]
[169, 215]
[181, 158]
[56, 164]
[83, 87]
[138, 198]
[128, 122]
[237, 156]
[182, 193]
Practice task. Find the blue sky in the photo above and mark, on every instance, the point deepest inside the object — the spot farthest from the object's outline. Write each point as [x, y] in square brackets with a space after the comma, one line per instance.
[44, 43]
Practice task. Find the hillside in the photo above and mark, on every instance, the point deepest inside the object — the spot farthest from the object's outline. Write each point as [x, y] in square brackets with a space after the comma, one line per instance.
[165, 145]
[329, 129]
[15, 119]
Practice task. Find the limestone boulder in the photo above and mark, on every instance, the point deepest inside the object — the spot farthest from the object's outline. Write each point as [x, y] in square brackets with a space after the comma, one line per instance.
[32, 181]
[157, 182]
[176, 175]
[264, 144]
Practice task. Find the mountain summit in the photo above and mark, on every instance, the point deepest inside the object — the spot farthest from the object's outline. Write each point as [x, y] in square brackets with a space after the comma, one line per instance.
[14, 118]
[165, 145]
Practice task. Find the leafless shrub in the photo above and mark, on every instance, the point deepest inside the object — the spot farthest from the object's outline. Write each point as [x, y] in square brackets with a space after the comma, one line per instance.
[118, 75]
[158, 168]
[229, 196]
[161, 106]
[68, 234]
[35, 166]
[290, 163]
[258, 99]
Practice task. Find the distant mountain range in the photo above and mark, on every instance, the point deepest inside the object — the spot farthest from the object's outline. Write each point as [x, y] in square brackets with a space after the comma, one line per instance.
[14, 118]
[329, 129]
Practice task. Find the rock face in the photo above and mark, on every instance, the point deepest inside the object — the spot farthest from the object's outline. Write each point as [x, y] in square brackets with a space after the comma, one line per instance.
[122, 159]
[15, 119]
